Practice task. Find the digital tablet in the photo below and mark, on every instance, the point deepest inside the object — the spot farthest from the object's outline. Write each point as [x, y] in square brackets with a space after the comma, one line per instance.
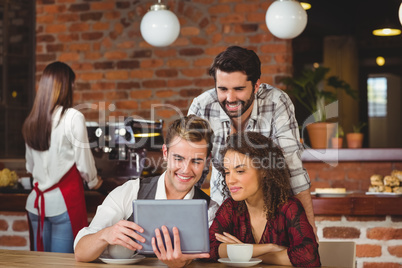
[189, 216]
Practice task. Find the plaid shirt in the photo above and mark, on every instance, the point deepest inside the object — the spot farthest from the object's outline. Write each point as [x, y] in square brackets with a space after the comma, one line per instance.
[272, 115]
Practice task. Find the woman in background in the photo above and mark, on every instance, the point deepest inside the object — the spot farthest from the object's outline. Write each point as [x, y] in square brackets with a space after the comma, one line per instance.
[59, 158]
[261, 210]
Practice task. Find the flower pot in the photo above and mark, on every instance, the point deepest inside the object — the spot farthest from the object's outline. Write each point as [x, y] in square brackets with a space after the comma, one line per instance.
[336, 143]
[319, 134]
[355, 140]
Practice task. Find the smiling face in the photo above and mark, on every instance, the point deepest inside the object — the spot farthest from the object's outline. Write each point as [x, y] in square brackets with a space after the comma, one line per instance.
[235, 93]
[242, 179]
[185, 164]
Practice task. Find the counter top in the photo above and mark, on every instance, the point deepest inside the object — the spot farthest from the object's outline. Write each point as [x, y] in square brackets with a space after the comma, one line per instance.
[360, 155]
[357, 204]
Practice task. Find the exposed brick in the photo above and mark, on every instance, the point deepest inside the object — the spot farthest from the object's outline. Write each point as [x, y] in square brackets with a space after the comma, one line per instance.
[20, 226]
[166, 53]
[45, 57]
[102, 5]
[46, 19]
[246, 8]
[82, 86]
[104, 65]
[79, 7]
[142, 54]
[232, 18]
[128, 104]
[128, 85]
[141, 74]
[165, 93]
[166, 113]
[12, 241]
[45, 38]
[112, 15]
[93, 96]
[219, 9]
[177, 63]
[246, 28]
[368, 251]
[140, 94]
[69, 56]
[189, 31]
[100, 26]
[116, 95]
[67, 17]
[191, 51]
[380, 233]
[115, 55]
[56, 28]
[68, 38]
[116, 75]
[92, 36]
[166, 73]
[203, 23]
[151, 63]
[79, 27]
[122, 5]
[103, 86]
[54, 47]
[179, 82]
[195, 40]
[194, 72]
[381, 265]
[54, 9]
[395, 250]
[178, 103]
[132, 64]
[365, 218]
[154, 83]
[341, 232]
[3, 225]
[190, 92]
[95, 16]
[80, 47]
[126, 44]
[152, 104]
[90, 76]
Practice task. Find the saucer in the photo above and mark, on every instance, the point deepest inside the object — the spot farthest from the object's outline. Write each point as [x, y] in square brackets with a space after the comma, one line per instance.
[134, 259]
[251, 262]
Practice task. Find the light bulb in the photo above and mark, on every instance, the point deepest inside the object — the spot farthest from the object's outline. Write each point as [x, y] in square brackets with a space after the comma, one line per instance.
[160, 27]
[400, 13]
[286, 19]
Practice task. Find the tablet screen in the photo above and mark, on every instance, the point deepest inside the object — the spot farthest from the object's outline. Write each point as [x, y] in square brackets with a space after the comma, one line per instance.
[190, 216]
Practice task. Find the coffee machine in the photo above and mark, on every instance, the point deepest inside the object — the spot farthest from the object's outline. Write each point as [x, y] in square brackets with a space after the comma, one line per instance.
[122, 150]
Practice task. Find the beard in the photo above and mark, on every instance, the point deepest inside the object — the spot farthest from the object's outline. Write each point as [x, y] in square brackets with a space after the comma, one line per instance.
[245, 105]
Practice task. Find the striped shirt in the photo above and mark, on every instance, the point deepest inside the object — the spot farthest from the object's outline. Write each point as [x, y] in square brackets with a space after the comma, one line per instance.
[272, 115]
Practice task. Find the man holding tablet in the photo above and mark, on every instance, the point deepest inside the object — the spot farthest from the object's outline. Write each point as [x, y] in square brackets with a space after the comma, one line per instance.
[187, 151]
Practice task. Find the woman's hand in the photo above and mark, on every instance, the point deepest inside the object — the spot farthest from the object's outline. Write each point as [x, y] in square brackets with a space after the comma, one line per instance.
[100, 182]
[227, 238]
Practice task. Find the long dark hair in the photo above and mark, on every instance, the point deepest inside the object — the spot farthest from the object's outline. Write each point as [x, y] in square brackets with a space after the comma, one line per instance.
[55, 89]
[268, 158]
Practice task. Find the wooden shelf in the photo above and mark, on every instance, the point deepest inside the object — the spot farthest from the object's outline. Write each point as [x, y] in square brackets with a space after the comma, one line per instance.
[359, 155]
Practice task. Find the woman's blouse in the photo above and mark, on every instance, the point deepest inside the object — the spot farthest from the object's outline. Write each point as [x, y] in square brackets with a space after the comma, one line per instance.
[290, 228]
[68, 146]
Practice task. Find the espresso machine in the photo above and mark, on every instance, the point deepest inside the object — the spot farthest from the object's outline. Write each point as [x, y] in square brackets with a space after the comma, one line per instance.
[126, 150]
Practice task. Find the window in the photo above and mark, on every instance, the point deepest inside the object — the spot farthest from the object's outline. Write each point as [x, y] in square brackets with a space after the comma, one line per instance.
[377, 96]
[17, 29]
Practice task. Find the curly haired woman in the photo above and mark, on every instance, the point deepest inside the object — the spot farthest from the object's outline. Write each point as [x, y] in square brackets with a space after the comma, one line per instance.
[260, 209]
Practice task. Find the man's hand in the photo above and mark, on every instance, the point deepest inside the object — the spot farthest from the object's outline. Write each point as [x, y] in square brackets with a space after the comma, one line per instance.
[169, 256]
[123, 233]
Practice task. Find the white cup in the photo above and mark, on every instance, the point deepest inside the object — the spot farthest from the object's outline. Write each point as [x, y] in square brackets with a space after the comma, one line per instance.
[26, 183]
[240, 252]
[120, 252]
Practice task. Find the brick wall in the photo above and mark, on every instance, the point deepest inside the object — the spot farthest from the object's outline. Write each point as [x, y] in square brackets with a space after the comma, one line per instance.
[119, 74]
[14, 231]
[354, 176]
[378, 239]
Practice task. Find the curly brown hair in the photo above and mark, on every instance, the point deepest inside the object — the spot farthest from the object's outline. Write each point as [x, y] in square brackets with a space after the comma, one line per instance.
[268, 158]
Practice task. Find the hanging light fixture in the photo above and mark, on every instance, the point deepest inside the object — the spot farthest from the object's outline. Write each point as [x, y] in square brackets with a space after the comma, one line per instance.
[387, 29]
[286, 19]
[400, 13]
[160, 27]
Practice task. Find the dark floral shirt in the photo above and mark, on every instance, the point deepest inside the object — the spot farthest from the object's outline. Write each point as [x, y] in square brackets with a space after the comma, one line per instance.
[290, 228]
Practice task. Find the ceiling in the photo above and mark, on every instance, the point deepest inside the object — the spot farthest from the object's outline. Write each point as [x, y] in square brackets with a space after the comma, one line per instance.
[350, 17]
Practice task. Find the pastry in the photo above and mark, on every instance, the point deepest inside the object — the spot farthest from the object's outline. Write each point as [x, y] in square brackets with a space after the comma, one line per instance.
[376, 180]
[391, 181]
[398, 174]
[377, 189]
[397, 190]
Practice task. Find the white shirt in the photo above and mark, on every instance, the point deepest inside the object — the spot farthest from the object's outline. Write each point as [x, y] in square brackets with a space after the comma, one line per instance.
[68, 146]
[118, 206]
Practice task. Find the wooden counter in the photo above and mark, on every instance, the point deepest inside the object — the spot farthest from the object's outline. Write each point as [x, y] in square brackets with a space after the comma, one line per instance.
[357, 204]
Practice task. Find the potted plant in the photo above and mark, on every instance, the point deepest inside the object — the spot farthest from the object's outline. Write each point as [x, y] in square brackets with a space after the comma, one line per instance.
[338, 139]
[309, 90]
[355, 139]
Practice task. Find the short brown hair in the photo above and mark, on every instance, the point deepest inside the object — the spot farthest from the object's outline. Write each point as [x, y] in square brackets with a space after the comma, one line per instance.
[191, 128]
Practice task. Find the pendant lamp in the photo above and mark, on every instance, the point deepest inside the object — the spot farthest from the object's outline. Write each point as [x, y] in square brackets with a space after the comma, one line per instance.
[286, 19]
[400, 13]
[160, 27]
